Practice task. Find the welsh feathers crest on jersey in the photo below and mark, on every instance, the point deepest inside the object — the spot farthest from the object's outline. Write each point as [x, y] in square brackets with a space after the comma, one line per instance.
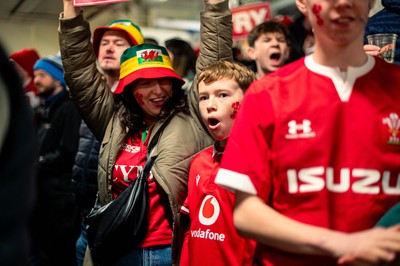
[392, 124]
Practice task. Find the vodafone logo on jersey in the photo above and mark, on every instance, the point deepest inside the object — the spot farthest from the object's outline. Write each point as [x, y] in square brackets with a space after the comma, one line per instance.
[209, 210]
[208, 215]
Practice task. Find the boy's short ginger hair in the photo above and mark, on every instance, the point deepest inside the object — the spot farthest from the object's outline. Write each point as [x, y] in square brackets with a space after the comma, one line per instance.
[227, 69]
[270, 26]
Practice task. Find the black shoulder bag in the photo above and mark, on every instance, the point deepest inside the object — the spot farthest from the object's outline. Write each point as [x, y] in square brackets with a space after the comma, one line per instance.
[116, 228]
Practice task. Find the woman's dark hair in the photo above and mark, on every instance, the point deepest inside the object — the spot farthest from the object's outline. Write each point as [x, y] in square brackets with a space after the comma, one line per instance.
[132, 116]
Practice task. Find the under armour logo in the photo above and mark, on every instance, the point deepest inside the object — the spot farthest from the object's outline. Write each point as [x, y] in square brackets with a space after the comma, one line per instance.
[301, 130]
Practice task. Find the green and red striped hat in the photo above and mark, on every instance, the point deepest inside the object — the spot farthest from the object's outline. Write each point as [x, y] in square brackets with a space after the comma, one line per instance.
[125, 25]
[145, 61]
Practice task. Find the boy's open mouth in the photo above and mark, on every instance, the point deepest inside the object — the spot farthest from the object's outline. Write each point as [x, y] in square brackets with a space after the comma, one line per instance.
[275, 56]
[213, 121]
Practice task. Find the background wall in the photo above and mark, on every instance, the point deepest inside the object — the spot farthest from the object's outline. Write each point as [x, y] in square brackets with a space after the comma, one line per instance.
[21, 32]
[16, 35]
[43, 34]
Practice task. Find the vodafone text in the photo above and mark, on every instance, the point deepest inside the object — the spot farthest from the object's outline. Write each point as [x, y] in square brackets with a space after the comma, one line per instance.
[365, 181]
[207, 235]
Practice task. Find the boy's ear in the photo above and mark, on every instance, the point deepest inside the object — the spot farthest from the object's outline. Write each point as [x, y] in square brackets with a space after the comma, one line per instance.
[250, 53]
[301, 5]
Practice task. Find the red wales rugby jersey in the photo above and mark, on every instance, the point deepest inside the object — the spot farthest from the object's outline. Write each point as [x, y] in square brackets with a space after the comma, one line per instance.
[212, 238]
[130, 161]
[319, 146]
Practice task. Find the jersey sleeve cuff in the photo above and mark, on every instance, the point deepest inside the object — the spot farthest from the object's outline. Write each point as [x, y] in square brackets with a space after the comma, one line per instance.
[184, 210]
[235, 181]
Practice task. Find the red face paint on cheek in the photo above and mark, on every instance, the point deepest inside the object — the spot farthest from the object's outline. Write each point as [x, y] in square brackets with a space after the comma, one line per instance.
[316, 9]
[139, 98]
[235, 108]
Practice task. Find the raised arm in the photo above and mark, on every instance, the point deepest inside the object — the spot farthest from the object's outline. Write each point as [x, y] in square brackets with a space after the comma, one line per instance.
[215, 42]
[215, 32]
[69, 10]
[89, 90]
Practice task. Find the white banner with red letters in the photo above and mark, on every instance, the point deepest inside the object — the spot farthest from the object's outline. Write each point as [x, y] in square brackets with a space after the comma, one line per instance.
[96, 2]
[246, 17]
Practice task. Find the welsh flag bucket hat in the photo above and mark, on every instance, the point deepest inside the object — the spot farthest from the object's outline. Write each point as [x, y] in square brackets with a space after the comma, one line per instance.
[145, 61]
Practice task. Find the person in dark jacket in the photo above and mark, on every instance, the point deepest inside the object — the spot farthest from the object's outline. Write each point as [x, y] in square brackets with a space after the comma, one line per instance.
[55, 221]
[386, 21]
[84, 182]
[17, 155]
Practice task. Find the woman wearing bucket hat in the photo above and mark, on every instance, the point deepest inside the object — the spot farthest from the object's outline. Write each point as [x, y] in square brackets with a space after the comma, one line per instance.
[125, 121]
[109, 42]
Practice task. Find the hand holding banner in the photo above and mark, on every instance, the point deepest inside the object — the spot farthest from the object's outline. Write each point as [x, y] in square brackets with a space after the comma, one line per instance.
[96, 2]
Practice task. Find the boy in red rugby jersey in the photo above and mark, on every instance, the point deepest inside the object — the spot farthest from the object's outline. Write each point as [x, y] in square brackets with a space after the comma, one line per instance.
[211, 236]
[221, 87]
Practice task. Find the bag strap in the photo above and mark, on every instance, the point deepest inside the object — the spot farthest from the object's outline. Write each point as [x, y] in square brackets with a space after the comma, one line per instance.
[150, 159]
[147, 167]
[158, 133]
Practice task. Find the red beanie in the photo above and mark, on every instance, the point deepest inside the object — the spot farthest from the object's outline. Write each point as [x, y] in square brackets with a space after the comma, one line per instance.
[26, 58]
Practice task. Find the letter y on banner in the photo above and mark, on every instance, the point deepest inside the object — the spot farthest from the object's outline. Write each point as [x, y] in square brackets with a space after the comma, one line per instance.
[246, 17]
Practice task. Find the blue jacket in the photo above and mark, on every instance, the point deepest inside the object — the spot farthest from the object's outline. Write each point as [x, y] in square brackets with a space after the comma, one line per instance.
[387, 21]
[84, 171]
